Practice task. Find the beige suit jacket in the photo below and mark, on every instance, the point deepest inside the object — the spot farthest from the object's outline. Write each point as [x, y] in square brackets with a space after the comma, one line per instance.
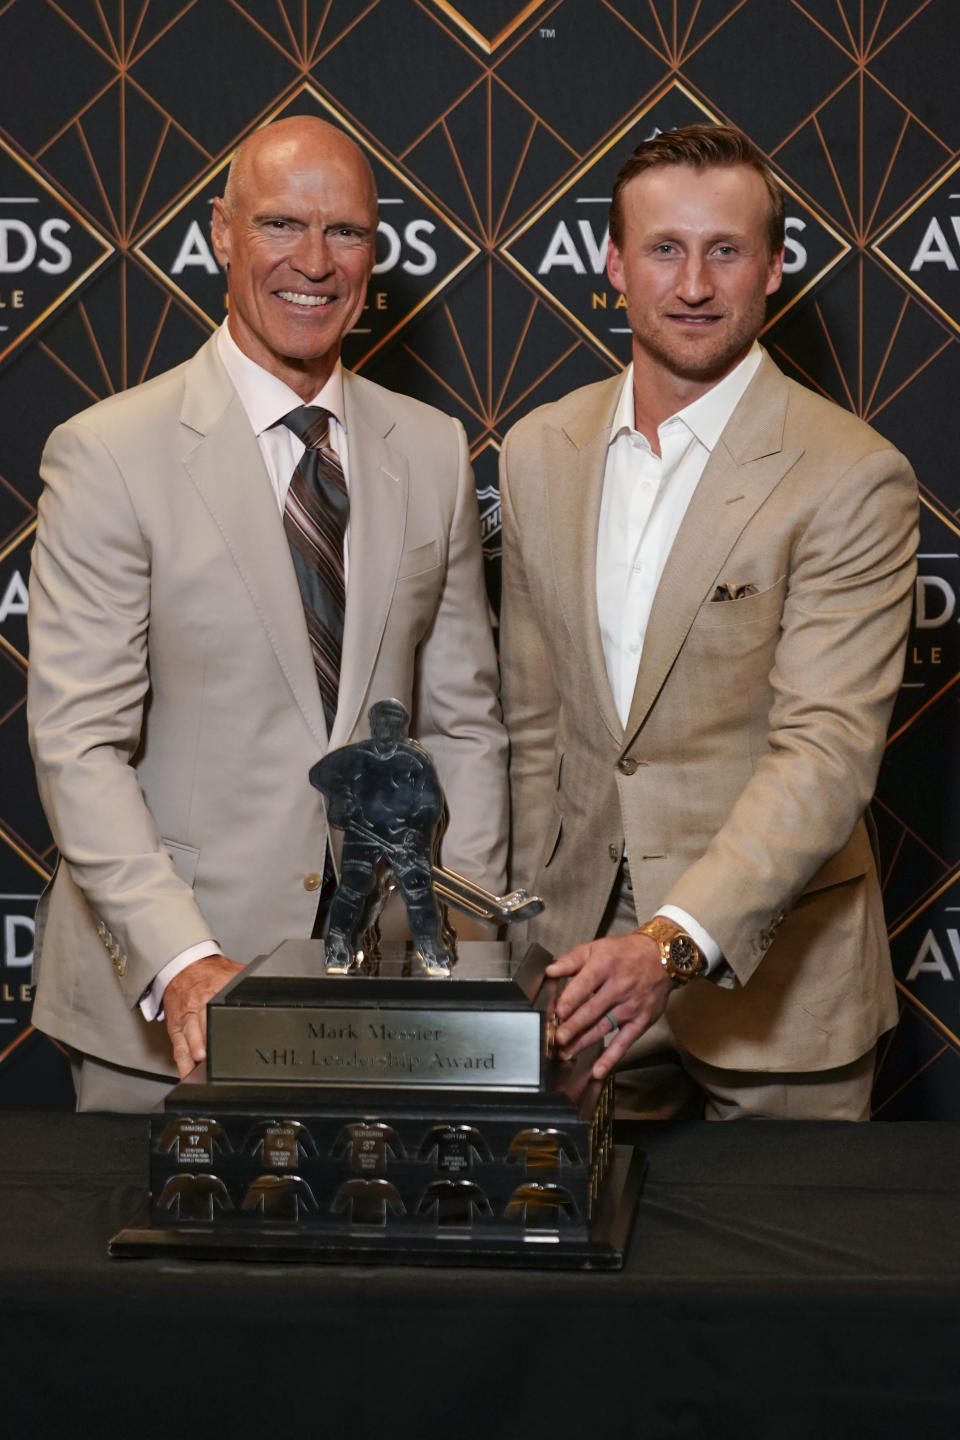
[757, 726]
[173, 704]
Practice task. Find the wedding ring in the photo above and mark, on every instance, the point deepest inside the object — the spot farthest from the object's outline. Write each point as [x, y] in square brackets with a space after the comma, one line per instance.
[614, 1022]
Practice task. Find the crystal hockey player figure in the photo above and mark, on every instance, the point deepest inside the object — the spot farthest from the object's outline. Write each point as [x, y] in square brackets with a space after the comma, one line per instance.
[383, 793]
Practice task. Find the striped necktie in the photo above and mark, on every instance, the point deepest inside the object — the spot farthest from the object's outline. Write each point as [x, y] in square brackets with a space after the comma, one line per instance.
[315, 519]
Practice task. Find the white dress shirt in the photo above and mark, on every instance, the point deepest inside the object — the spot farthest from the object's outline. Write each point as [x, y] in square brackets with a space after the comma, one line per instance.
[645, 497]
[265, 400]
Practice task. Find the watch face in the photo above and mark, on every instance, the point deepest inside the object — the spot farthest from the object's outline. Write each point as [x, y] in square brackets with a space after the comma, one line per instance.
[684, 957]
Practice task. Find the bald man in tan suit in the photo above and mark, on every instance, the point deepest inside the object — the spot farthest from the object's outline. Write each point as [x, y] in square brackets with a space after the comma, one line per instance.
[174, 705]
[707, 582]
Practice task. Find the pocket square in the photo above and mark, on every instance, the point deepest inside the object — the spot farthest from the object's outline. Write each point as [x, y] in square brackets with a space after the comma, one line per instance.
[734, 592]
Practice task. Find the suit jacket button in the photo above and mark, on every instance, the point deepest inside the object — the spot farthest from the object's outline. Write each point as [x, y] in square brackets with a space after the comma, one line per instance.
[312, 881]
[627, 765]
[614, 853]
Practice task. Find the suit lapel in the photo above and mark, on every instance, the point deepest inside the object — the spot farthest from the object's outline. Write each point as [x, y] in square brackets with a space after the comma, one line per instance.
[574, 460]
[226, 467]
[745, 466]
[379, 479]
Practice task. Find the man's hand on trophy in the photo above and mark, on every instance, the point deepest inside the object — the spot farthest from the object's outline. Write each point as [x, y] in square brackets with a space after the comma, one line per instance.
[617, 988]
[185, 1006]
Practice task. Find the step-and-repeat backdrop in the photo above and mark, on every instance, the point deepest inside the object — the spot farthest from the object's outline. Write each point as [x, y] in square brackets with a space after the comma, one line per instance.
[494, 128]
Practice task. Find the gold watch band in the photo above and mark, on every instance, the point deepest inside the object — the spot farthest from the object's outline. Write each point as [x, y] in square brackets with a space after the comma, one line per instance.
[680, 955]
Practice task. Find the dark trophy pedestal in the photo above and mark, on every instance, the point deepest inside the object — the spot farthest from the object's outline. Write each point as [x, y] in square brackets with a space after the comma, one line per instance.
[389, 1118]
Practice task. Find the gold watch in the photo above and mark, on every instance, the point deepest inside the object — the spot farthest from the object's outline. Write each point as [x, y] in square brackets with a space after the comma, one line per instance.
[680, 956]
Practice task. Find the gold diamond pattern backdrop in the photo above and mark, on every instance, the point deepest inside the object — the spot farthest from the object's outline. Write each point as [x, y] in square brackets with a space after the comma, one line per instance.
[495, 128]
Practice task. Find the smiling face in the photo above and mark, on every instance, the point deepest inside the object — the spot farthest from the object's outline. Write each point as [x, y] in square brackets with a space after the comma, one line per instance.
[695, 270]
[296, 230]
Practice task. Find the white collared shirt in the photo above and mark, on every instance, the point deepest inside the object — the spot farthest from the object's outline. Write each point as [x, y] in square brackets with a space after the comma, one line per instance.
[266, 400]
[645, 497]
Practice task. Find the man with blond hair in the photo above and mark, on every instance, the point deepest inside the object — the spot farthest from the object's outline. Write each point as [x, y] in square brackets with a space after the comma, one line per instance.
[707, 578]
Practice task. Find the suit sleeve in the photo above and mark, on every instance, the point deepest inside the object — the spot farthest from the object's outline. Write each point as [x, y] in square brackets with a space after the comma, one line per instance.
[88, 688]
[458, 717]
[531, 701]
[837, 667]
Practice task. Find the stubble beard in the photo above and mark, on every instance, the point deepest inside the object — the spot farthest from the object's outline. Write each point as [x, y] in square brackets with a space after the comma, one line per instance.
[684, 361]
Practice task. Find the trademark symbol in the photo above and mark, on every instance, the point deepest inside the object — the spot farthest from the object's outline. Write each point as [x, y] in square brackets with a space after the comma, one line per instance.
[547, 34]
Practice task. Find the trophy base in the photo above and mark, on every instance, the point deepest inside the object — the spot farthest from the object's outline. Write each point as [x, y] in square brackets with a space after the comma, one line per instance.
[389, 1119]
[602, 1248]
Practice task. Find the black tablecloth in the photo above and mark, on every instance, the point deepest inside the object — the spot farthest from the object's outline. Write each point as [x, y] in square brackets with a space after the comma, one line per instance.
[783, 1280]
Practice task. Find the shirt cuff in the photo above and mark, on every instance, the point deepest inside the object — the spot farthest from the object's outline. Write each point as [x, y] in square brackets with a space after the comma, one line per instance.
[711, 950]
[151, 1001]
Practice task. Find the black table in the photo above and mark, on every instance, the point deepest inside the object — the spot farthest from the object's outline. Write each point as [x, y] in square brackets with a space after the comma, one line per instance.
[784, 1280]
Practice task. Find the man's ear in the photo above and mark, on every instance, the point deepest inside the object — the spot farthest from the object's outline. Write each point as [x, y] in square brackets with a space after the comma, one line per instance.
[775, 271]
[615, 268]
[220, 232]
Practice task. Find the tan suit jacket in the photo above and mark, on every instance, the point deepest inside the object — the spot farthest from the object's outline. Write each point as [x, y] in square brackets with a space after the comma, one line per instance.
[173, 704]
[757, 726]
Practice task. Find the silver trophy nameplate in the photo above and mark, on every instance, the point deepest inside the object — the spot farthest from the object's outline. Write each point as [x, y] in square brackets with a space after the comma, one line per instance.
[420, 1046]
